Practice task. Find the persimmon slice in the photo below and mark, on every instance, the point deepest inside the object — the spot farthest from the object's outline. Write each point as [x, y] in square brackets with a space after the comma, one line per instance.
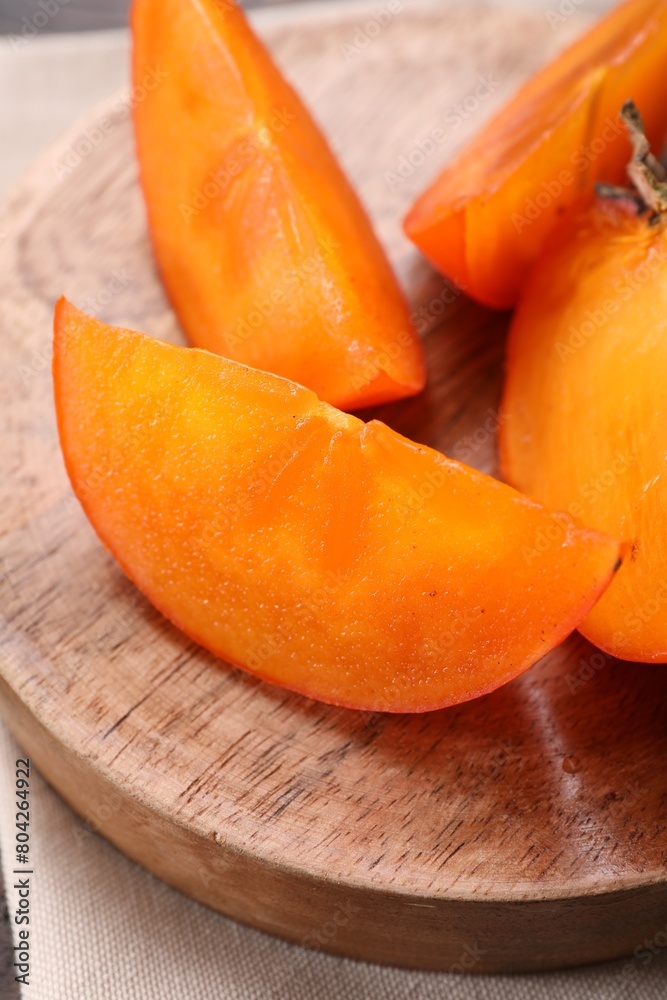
[584, 424]
[265, 250]
[319, 552]
[487, 216]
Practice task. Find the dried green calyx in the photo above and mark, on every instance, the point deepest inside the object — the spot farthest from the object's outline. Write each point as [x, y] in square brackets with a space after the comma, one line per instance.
[644, 170]
[648, 175]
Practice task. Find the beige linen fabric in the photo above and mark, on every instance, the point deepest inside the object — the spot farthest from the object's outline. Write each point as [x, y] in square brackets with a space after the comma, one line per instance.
[103, 929]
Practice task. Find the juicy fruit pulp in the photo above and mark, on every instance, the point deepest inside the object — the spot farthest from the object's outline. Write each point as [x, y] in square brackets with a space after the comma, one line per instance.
[266, 252]
[584, 425]
[486, 218]
[321, 553]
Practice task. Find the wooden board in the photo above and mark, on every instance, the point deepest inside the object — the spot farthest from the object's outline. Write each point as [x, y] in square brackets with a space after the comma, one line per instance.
[524, 830]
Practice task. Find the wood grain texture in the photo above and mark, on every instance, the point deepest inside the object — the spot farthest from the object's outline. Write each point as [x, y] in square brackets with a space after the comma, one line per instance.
[524, 830]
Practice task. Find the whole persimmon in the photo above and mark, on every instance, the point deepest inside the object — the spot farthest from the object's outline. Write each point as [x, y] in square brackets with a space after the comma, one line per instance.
[487, 216]
[584, 413]
[330, 556]
[265, 250]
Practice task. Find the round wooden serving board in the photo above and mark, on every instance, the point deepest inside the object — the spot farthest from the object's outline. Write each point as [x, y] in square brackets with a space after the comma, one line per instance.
[524, 830]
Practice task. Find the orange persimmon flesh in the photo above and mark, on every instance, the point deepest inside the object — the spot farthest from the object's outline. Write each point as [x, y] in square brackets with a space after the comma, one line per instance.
[486, 218]
[321, 553]
[584, 424]
[266, 252]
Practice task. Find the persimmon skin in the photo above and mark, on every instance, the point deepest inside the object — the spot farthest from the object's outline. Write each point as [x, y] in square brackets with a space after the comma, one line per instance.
[265, 250]
[487, 216]
[584, 412]
[330, 556]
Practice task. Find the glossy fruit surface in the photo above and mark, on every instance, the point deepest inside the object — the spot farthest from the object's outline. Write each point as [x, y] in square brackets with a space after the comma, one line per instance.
[486, 218]
[265, 250]
[584, 423]
[321, 553]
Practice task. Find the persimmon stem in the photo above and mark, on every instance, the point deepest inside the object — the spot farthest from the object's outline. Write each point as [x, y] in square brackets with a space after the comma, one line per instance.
[644, 170]
[617, 193]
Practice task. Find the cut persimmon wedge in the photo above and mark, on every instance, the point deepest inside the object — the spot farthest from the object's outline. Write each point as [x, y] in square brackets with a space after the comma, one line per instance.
[486, 218]
[584, 424]
[321, 553]
[265, 250]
